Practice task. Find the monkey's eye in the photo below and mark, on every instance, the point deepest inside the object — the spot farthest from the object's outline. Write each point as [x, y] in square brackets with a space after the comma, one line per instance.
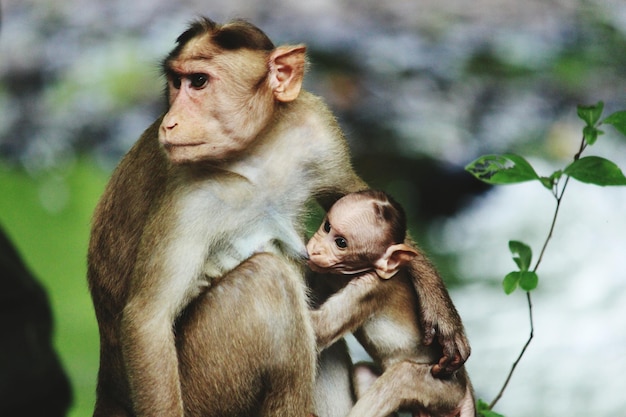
[341, 243]
[198, 81]
[176, 81]
[327, 226]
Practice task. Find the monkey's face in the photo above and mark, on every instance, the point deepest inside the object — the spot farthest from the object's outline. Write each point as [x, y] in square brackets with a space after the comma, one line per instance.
[219, 101]
[347, 242]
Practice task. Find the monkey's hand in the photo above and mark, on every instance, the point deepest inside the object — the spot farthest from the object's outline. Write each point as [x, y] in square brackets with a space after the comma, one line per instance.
[455, 350]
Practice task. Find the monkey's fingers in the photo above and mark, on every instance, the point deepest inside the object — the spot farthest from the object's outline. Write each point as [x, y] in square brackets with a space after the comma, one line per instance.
[455, 352]
[446, 366]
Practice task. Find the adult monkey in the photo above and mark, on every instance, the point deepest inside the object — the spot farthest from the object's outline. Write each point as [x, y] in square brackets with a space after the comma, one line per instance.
[223, 175]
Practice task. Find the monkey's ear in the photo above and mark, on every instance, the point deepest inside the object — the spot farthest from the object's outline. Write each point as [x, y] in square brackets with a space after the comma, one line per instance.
[394, 258]
[286, 71]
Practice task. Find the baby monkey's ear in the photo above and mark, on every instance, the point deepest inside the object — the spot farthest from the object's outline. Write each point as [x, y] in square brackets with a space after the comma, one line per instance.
[394, 258]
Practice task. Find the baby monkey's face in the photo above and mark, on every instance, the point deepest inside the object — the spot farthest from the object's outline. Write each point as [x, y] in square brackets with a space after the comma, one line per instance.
[348, 241]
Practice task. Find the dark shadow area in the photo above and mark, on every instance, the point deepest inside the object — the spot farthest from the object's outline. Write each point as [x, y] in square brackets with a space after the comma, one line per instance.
[32, 380]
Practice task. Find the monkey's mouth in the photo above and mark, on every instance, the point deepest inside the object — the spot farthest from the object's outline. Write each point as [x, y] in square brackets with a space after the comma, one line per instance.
[180, 153]
[317, 268]
[340, 269]
[169, 146]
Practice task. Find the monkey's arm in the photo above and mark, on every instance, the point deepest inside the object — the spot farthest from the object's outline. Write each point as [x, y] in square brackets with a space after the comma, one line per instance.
[346, 310]
[150, 357]
[439, 316]
[159, 289]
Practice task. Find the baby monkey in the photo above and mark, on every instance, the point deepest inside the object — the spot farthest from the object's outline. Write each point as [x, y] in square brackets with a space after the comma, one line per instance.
[361, 242]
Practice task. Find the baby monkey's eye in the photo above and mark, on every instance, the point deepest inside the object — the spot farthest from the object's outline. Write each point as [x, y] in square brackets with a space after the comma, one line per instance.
[341, 243]
[327, 226]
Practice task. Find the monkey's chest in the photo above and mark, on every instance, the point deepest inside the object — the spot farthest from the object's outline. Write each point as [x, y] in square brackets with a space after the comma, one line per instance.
[226, 222]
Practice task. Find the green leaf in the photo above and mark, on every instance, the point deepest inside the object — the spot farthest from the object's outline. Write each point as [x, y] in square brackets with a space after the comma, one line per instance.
[596, 170]
[591, 114]
[482, 408]
[489, 413]
[617, 120]
[502, 169]
[549, 182]
[522, 254]
[591, 134]
[510, 281]
[556, 175]
[528, 280]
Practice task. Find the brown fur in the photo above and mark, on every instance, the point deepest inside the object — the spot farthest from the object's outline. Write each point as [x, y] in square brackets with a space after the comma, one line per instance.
[255, 312]
[384, 318]
[259, 360]
[380, 306]
[188, 324]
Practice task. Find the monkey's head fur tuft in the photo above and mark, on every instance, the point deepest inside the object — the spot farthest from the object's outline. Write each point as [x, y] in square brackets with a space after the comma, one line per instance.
[238, 34]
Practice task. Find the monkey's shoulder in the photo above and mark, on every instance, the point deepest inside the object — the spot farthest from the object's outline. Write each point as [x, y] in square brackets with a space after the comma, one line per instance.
[310, 128]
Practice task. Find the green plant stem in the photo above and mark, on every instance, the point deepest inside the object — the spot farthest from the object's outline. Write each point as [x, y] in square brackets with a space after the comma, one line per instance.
[519, 358]
[559, 197]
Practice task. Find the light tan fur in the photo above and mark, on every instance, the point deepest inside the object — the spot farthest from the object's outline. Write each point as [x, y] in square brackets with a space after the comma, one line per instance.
[185, 210]
[200, 309]
[377, 302]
